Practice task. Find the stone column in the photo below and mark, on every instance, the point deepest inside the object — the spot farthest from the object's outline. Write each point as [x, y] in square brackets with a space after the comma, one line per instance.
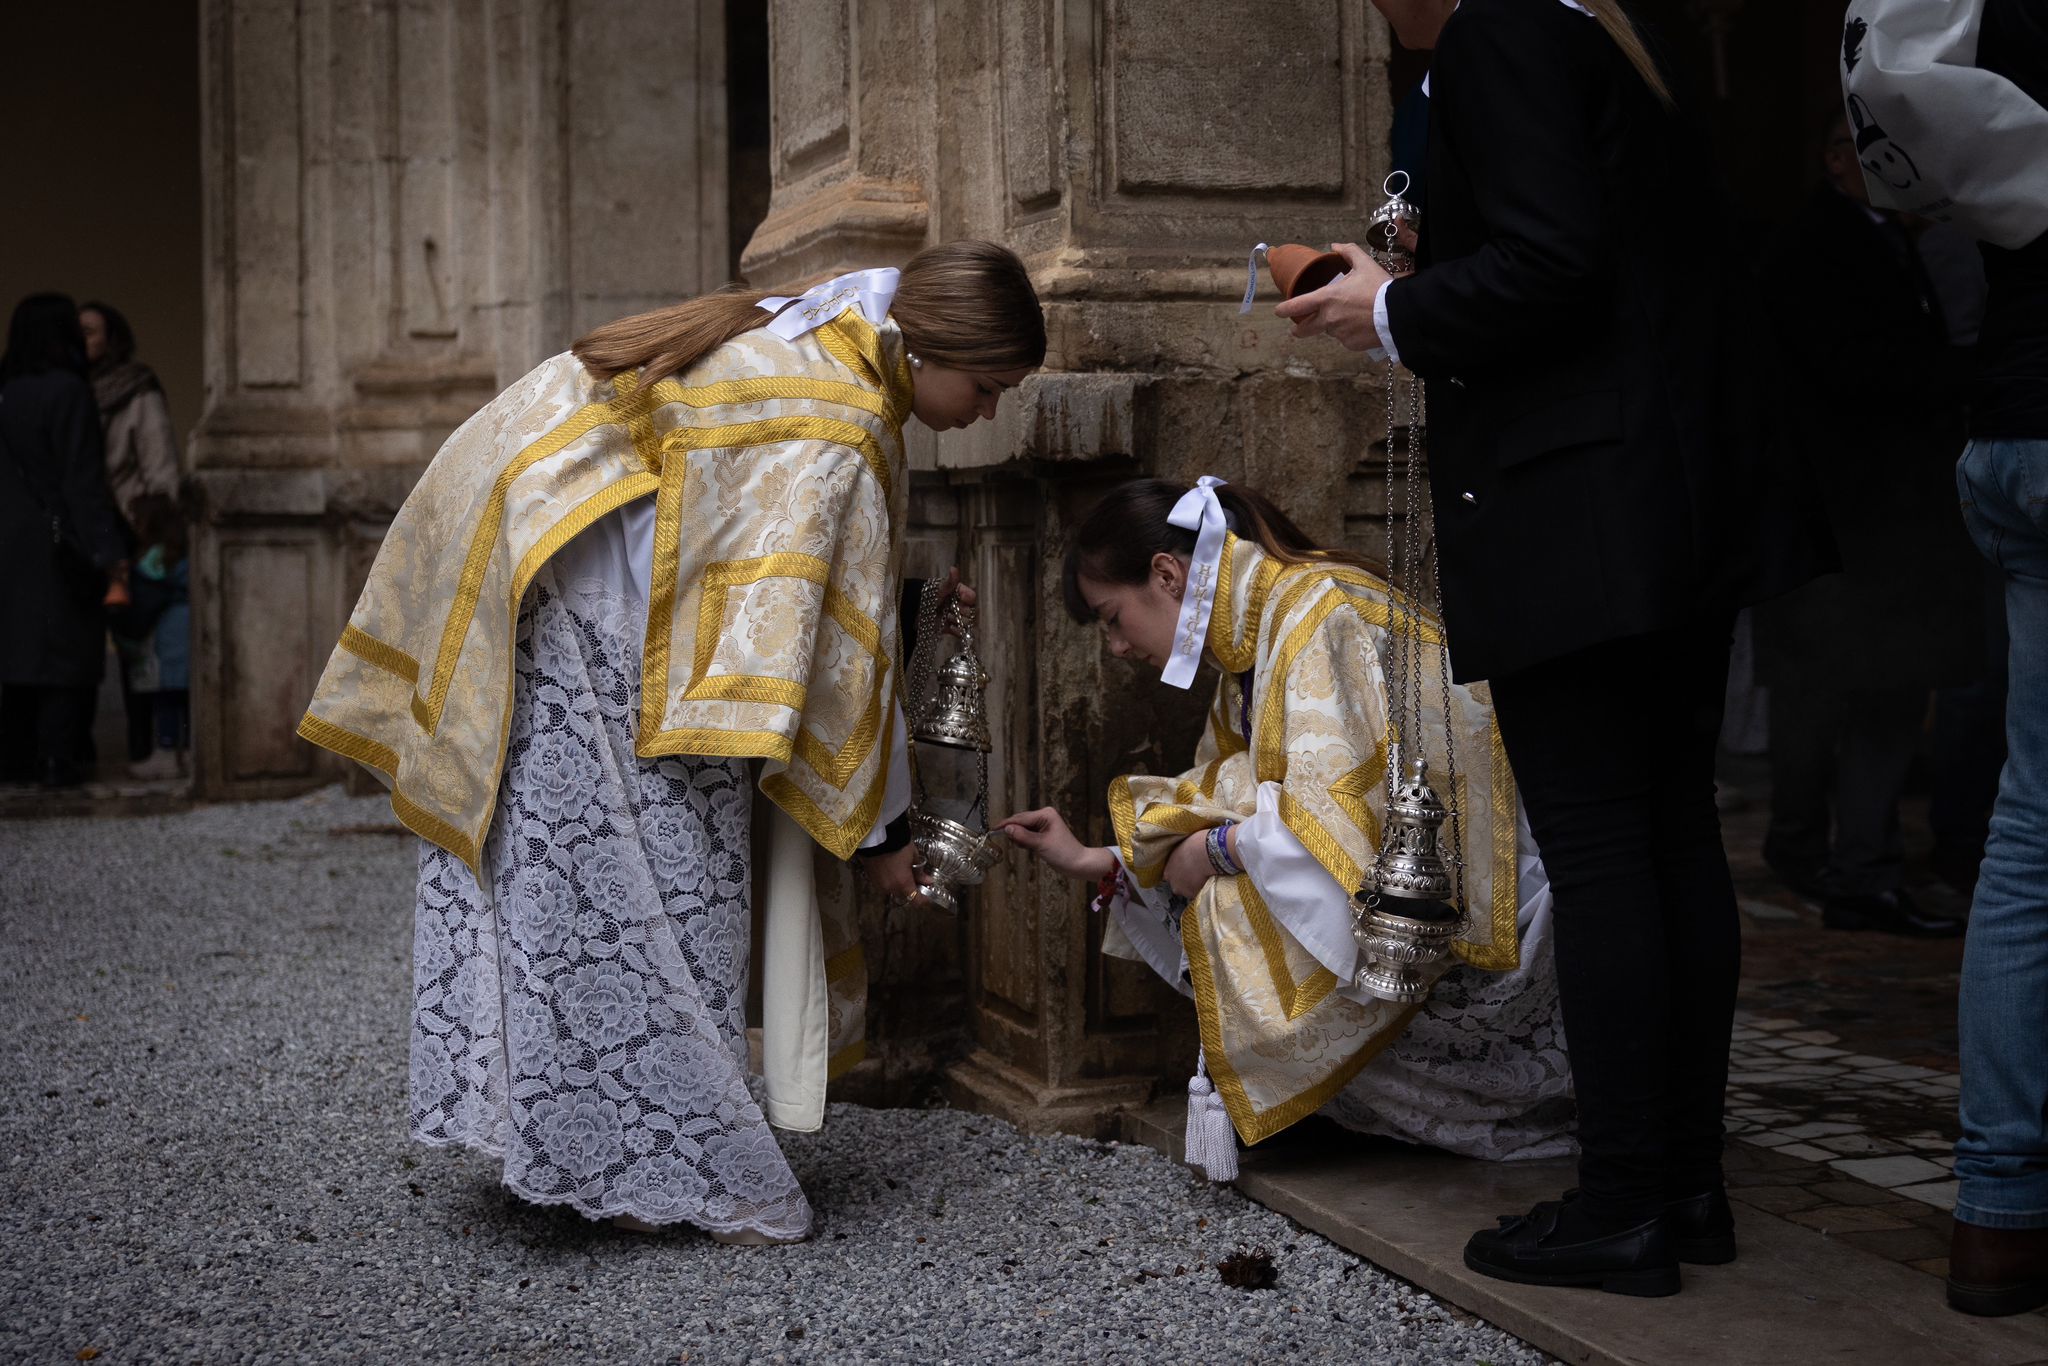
[408, 205]
[1132, 151]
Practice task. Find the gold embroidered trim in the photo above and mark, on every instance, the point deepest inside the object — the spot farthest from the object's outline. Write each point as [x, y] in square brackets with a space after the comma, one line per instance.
[774, 430]
[411, 814]
[720, 579]
[1123, 819]
[1320, 843]
[371, 650]
[632, 406]
[1237, 655]
[1251, 1125]
[1297, 999]
[841, 840]
[845, 964]
[654, 652]
[725, 744]
[734, 392]
[1504, 954]
[845, 1060]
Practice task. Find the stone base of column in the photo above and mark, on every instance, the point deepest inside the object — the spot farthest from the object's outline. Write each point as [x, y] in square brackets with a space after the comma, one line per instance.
[983, 1082]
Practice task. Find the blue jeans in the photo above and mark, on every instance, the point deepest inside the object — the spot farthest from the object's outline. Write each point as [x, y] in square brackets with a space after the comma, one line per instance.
[2002, 1158]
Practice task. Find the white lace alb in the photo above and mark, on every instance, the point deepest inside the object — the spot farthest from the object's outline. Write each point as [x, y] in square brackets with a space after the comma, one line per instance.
[584, 1018]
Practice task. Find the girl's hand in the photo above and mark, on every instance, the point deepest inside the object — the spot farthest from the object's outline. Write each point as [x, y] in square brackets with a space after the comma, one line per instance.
[895, 875]
[1188, 866]
[1045, 833]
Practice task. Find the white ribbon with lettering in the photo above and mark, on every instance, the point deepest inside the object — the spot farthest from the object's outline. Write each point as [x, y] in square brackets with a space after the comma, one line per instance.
[872, 291]
[1199, 512]
[1251, 277]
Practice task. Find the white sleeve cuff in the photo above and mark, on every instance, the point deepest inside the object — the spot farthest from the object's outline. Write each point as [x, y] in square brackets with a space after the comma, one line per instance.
[1298, 890]
[1386, 350]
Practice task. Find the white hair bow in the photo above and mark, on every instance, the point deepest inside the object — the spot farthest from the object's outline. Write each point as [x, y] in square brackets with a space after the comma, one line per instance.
[872, 291]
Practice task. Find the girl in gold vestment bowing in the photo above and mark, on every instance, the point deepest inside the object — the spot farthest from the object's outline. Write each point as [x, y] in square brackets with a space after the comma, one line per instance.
[669, 552]
[1233, 879]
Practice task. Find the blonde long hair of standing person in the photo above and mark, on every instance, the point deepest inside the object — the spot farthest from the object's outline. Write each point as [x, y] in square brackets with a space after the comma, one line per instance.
[967, 304]
[1625, 37]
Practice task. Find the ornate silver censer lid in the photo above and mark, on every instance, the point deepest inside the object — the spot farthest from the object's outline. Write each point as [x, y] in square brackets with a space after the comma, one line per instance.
[1383, 228]
[957, 715]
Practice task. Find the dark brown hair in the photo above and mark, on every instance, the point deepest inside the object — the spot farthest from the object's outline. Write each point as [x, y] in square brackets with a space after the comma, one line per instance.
[966, 304]
[1116, 541]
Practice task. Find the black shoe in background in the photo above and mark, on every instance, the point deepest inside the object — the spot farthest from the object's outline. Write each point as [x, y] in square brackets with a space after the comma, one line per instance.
[1811, 883]
[1891, 913]
[57, 773]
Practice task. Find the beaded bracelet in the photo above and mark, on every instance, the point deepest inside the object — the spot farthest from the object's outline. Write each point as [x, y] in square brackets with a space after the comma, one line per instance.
[1217, 842]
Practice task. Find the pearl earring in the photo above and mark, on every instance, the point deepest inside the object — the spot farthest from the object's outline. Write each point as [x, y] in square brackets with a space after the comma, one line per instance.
[916, 361]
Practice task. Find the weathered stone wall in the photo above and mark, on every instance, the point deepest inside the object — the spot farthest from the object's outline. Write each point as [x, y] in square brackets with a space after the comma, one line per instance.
[1132, 151]
[408, 205]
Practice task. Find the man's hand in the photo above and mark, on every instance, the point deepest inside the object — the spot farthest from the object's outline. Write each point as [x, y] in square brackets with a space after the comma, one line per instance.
[1342, 308]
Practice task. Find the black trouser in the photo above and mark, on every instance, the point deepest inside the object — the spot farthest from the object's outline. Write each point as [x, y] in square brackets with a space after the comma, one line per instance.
[1613, 749]
[1845, 752]
[43, 731]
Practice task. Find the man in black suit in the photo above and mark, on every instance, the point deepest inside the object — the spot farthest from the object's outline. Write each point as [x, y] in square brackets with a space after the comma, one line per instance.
[1602, 506]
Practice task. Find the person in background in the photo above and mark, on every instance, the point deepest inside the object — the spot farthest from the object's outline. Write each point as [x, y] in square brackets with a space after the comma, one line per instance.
[141, 451]
[62, 548]
[1604, 500]
[1968, 739]
[1852, 658]
[1998, 1259]
[153, 634]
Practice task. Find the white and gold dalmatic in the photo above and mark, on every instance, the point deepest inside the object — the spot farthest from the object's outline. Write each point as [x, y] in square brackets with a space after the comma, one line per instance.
[778, 475]
[1282, 1029]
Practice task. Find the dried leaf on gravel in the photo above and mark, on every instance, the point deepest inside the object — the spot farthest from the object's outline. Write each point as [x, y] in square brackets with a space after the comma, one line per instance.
[1251, 1270]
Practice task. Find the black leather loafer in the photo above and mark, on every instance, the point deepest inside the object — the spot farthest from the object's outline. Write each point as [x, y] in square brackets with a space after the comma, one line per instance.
[1534, 1249]
[1702, 1228]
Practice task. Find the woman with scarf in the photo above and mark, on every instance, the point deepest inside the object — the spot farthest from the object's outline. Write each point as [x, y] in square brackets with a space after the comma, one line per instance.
[142, 472]
[661, 569]
[141, 447]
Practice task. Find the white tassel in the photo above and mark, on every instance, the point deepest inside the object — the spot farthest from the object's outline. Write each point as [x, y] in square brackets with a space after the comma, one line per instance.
[1211, 1140]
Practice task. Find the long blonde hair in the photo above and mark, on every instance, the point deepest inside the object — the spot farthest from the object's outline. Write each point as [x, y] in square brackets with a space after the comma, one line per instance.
[1623, 32]
[965, 304]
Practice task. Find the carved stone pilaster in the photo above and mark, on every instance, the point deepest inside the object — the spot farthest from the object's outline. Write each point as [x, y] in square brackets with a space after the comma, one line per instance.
[407, 207]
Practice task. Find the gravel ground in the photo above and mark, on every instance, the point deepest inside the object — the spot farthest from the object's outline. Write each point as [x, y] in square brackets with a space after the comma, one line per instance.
[206, 1160]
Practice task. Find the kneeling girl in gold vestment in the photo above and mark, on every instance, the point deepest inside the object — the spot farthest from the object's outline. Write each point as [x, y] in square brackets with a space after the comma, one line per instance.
[1233, 879]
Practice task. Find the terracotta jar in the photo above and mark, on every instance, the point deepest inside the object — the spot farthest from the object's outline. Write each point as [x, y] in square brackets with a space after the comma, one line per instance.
[1298, 270]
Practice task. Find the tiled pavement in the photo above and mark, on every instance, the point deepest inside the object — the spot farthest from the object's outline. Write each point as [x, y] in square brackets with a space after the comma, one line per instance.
[1843, 1076]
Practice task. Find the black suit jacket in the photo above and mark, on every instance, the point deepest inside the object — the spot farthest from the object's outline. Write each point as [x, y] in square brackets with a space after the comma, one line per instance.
[1601, 453]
